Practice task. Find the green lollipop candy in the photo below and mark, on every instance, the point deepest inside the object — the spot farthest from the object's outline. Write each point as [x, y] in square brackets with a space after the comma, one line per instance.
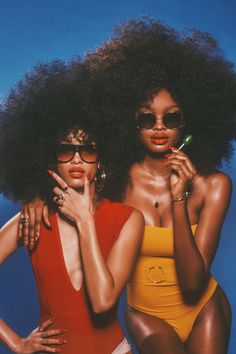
[187, 140]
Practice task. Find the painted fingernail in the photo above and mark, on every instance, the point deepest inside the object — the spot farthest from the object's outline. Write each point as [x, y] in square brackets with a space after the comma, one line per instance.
[50, 172]
[164, 162]
[168, 155]
[89, 176]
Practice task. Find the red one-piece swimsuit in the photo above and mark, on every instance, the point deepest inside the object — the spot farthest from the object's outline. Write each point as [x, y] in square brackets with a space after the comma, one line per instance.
[86, 332]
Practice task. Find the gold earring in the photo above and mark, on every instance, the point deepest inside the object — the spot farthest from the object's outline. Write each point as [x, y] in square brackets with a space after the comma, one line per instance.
[100, 179]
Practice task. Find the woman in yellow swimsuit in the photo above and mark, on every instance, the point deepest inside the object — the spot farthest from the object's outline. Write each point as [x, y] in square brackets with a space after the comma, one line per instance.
[161, 87]
[153, 87]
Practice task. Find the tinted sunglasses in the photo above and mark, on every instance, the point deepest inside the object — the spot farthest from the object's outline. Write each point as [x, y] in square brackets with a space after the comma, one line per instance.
[66, 152]
[171, 120]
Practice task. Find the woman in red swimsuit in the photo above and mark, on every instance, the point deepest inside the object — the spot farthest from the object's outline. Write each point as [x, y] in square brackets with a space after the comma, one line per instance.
[78, 261]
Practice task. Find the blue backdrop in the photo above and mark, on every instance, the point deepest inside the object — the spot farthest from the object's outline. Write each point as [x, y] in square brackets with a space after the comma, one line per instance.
[33, 31]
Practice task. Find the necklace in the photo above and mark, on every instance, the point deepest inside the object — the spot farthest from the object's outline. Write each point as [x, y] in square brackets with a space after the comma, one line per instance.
[154, 174]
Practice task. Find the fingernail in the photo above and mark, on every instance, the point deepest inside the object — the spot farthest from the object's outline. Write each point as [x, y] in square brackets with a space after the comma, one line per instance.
[168, 155]
[164, 162]
[50, 172]
[89, 176]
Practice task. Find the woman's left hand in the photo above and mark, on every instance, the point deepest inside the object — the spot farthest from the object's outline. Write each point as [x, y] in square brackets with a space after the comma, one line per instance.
[184, 172]
[75, 206]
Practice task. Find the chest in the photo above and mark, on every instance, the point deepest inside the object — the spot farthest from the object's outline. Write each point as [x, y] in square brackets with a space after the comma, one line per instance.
[154, 201]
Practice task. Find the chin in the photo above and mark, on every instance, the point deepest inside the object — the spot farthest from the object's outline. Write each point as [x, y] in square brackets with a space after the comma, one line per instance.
[157, 149]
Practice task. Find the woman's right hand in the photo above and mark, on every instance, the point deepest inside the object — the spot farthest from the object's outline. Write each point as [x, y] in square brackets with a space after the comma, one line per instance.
[30, 220]
[40, 340]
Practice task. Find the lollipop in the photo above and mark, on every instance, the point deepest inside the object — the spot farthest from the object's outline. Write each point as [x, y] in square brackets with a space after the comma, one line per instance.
[187, 140]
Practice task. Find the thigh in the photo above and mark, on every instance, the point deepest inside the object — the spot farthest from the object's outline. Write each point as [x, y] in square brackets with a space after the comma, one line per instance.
[152, 335]
[211, 330]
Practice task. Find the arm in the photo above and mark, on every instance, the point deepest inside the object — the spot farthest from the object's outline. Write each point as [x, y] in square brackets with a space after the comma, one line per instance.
[34, 212]
[39, 338]
[104, 279]
[194, 254]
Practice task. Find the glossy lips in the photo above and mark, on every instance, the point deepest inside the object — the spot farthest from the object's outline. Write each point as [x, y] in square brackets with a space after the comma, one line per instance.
[159, 139]
[76, 172]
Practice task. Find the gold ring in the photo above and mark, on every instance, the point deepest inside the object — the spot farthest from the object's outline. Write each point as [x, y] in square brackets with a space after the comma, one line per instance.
[23, 220]
[60, 197]
[65, 189]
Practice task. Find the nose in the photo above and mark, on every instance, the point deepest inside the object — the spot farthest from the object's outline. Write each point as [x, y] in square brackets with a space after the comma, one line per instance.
[76, 158]
[159, 124]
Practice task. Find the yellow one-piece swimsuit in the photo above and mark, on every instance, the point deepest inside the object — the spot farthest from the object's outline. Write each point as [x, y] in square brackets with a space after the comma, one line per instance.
[154, 287]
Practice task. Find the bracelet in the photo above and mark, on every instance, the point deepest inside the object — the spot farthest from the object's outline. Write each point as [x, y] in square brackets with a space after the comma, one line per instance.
[182, 197]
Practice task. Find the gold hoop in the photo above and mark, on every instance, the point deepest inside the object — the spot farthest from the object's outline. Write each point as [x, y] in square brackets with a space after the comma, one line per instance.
[100, 179]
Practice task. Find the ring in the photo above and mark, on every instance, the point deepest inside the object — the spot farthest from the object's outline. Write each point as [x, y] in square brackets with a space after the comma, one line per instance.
[23, 220]
[60, 197]
[65, 189]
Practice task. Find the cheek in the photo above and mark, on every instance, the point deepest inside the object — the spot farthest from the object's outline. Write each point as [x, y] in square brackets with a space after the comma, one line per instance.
[92, 168]
[62, 170]
[175, 136]
[143, 136]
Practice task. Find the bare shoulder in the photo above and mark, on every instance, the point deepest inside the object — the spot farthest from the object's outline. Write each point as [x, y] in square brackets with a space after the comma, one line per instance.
[137, 217]
[134, 226]
[218, 185]
[11, 224]
[219, 180]
[8, 238]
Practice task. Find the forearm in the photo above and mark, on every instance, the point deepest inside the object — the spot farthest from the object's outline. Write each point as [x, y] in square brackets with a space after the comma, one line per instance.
[190, 265]
[99, 281]
[8, 336]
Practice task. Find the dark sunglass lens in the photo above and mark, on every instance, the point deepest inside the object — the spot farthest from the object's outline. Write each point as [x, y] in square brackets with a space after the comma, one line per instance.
[173, 120]
[65, 153]
[89, 153]
[145, 120]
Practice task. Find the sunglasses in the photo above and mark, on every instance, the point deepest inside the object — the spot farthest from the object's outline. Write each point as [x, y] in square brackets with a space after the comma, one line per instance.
[66, 152]
[171, 120]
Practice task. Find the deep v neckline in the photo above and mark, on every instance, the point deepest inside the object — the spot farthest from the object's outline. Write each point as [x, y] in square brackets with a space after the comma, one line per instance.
[62, 259]
[61, 254]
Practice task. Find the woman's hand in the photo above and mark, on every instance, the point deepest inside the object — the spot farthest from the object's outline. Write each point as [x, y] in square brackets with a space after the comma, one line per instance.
[30, 220]
[184, 172]
[40, 340]
[75, 206]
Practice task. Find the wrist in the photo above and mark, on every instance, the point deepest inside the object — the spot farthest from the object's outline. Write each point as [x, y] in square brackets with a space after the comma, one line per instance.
[16, 345]
[85, 221]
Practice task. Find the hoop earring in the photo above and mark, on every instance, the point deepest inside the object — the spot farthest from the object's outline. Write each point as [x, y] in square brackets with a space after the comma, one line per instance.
[100, 179]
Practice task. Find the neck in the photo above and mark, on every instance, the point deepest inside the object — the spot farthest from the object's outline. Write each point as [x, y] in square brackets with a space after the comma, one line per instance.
[154, 165]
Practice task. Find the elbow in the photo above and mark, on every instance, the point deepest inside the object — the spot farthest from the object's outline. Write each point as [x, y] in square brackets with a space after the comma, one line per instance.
[194, 287]
[103, 305]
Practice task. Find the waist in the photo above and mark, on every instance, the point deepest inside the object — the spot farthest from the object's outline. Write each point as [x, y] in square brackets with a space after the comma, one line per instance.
[154, 271]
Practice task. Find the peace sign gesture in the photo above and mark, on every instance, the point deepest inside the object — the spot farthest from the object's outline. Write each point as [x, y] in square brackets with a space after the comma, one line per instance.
[72, 204]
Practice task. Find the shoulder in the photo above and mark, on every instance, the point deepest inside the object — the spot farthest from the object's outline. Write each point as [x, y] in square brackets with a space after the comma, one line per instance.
[115, 207]
[120, 214]
[219, 180]
[11, 224]
[218, 185]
